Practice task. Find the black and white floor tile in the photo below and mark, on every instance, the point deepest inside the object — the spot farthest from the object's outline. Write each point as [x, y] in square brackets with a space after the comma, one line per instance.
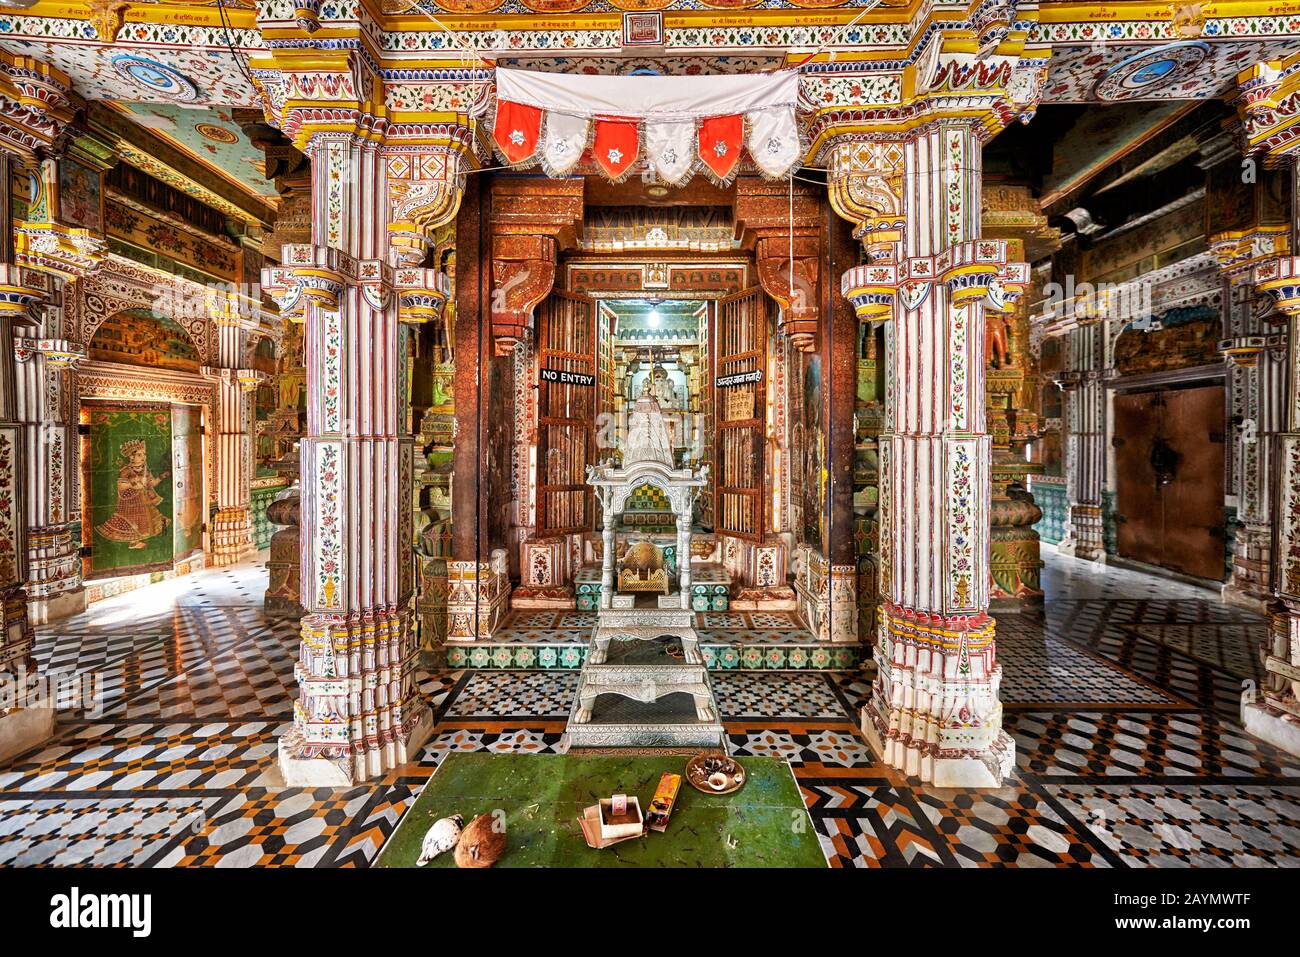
[1121, 697]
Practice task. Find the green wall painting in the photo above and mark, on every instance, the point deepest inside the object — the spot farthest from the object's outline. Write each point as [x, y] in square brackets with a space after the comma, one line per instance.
[129, 496]
[187, 475]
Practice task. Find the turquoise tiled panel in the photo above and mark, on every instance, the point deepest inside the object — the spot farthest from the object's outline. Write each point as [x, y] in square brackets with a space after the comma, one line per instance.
[1052, 500]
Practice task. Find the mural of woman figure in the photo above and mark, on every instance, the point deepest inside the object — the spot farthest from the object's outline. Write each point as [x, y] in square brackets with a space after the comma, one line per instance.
[136, 517]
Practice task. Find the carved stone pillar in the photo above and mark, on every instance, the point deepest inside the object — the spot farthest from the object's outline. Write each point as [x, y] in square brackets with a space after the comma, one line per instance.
[232, 526]
[53, 254]
[1269, 107]
[1255, 351]
[1085, 441]
[934, 710]
[24, 722]
[1011, 212]
[359, 713]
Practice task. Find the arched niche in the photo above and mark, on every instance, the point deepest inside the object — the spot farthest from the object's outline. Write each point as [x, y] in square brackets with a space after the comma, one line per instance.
[142, 337]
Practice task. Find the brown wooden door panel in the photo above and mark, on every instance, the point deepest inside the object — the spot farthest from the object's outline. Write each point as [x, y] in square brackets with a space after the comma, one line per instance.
[1139, 504]
[739, 409]
[1193, 533]
[1177, 523]
[566, 412]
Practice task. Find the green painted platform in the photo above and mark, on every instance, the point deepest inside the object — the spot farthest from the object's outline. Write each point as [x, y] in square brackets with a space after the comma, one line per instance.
[543, 795]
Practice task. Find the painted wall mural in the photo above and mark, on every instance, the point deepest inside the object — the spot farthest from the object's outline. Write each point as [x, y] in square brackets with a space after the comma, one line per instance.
[128, 489]
[81, 196]
[144, 486]
[144, 338]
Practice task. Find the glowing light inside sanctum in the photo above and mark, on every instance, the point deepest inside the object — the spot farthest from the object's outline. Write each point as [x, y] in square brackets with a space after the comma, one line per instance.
[654, 319]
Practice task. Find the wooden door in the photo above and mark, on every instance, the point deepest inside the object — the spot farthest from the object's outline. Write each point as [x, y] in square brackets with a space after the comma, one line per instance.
[1139, 504]
[1169, 479]
[739, 408]
[1194, 520]
[566, 412]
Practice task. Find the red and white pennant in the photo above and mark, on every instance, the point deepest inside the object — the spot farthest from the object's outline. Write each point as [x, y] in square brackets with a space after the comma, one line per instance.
[689, 123]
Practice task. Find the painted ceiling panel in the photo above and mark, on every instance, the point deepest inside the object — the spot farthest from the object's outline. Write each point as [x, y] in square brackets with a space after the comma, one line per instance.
[197, 76]
[211, 137]
[1189, 69]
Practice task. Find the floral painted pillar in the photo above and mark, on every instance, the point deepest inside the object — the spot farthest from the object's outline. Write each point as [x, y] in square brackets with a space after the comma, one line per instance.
[359, 713]
[934, 710]
[1268, 104]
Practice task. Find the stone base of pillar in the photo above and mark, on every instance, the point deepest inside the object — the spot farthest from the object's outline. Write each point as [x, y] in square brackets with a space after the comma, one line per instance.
[23, 729]
[232, 535]
[303, 765]
[1251, 557]
[478, 597]
[54, 589]
[359, 714]
[42, 611]
[1084, 534]
[1279, 728]
[827, 596]
[934, 712]
[991, 769]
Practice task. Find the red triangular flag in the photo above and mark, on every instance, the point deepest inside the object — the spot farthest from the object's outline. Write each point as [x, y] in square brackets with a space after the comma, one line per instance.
[615, 146]
[517, 130]
[720, 139]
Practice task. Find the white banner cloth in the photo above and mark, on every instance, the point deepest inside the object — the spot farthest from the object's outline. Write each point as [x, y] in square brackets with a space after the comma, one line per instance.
[649, 97]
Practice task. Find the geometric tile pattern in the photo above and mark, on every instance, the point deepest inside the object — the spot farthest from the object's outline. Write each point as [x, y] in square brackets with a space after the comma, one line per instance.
[1121, 697]
[1197, 825]
[745, 694]
[516, 693]
[1109, 746]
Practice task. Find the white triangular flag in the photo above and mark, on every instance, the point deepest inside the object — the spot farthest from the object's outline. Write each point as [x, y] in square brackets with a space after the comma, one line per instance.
[774, 141]
[671, 149]
[563, 141]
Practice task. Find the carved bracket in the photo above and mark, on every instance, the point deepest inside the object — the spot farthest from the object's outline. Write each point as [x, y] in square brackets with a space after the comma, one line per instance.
[523, 274]
[792, 281]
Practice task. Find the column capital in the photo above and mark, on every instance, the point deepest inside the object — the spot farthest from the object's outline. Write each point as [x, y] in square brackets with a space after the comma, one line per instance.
[785, 223]
[1237, 252]
[18, 297]
[1279, 279]
[1268, 103]
[36, 103]
[973, 271]
[58, 353]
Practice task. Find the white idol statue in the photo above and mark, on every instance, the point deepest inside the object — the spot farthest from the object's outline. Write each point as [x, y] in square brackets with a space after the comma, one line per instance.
[648, 439]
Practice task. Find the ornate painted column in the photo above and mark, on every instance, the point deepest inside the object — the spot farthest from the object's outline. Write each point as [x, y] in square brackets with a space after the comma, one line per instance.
[24, 722]
[1085, 440]
[378, 190]
[934, 710]
[53, 255]
[1268, 104]
[232, 526]
[1256, 356]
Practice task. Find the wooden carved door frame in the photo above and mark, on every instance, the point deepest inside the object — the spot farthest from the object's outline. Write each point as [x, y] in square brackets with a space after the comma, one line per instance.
[740, 413]
[566, 412]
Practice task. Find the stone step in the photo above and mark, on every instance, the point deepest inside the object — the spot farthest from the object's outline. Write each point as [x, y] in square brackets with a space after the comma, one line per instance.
[669, 722]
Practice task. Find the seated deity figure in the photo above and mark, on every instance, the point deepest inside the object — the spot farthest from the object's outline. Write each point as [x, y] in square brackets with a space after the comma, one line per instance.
[647, 431]
[664, 389]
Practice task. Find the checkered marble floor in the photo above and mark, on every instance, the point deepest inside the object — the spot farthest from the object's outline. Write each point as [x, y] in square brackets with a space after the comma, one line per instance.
[1120, 695]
